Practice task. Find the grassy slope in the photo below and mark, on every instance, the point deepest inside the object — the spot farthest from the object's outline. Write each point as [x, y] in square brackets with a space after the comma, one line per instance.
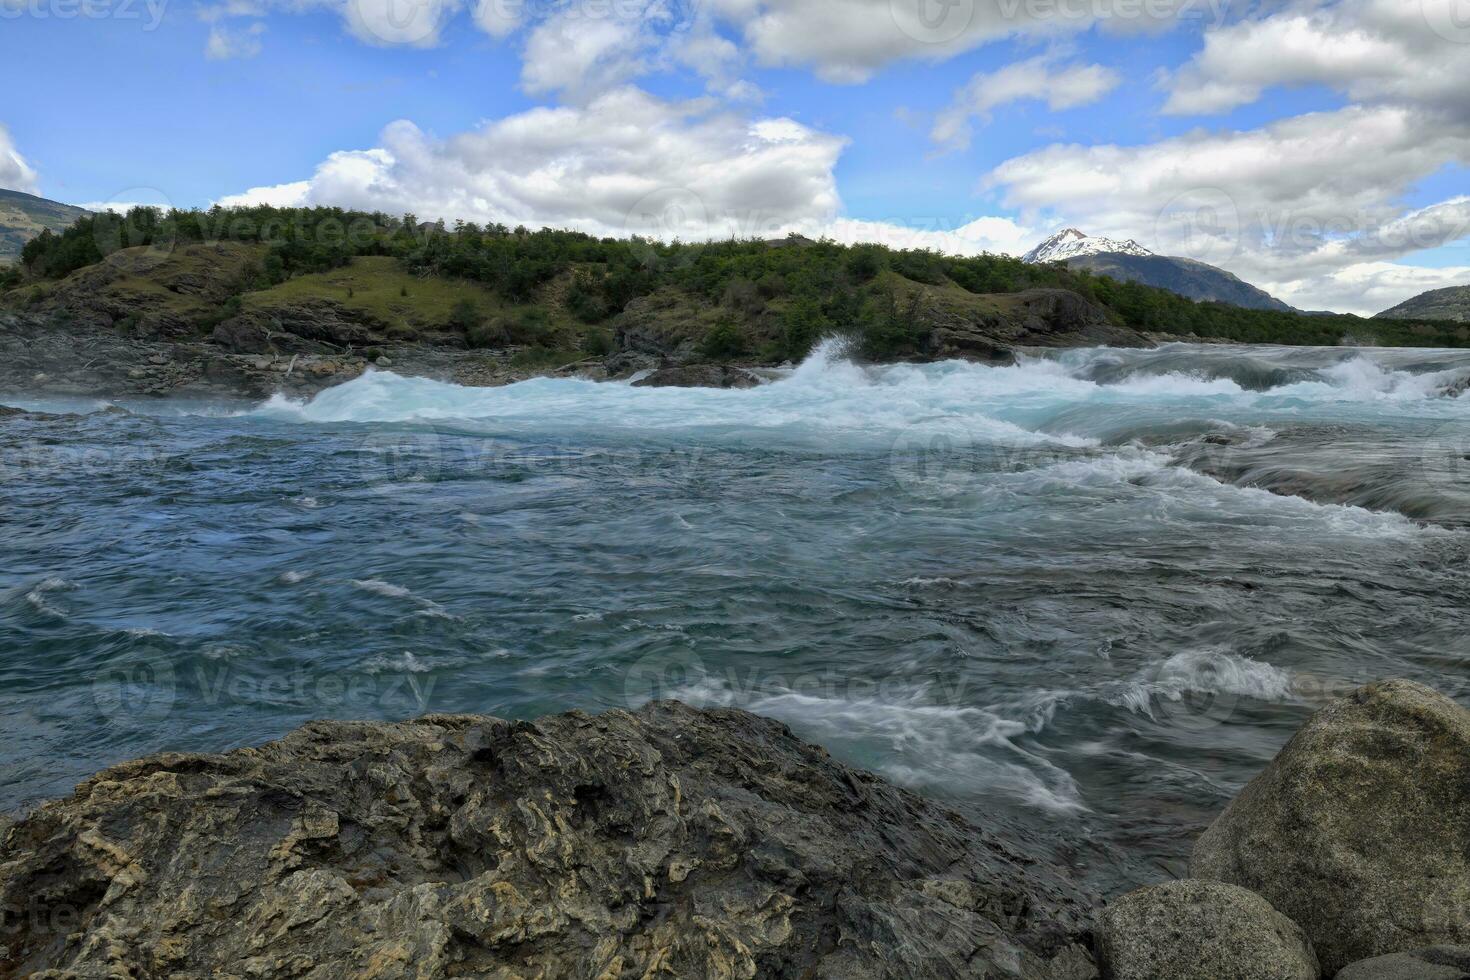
[1450, 303]
[374, 286]
[181, 285]
[24, 216]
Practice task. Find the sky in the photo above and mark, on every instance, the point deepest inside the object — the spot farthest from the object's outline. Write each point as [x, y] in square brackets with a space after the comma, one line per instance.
[1318, 149]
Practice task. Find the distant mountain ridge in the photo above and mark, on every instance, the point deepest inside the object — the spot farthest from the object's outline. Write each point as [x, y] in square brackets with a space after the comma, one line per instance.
[1131, 262]
[1449, 303]
[24, 216]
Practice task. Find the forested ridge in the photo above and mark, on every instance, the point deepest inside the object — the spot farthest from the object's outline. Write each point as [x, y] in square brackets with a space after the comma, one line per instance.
[812, 287]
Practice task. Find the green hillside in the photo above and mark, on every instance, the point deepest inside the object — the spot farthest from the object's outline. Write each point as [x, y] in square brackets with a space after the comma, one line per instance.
[24, 216]
[1450, 303]
[345, 278]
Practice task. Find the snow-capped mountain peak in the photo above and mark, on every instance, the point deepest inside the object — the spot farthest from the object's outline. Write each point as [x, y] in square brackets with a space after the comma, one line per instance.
[1070, 243]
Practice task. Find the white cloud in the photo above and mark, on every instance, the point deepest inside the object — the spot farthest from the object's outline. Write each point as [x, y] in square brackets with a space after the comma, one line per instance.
[414, 23]
[626, 163]
[1061, 87]
[1305, 198]
[577, 55]
[499, 18]
[1372, 50]
[15, 173]
[988, 234]
[850, 40]
[224, 43]
[1365, 288]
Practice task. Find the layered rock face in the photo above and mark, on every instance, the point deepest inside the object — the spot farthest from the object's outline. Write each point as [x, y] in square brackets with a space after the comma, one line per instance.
[669, 842]
[1360, 829]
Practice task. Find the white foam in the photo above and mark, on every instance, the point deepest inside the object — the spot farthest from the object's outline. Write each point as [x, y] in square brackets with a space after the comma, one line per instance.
[404, 663]
[1203, 671]
[427, 607]
[928, 740]
[1149, 483]
[36, 598]
[379, 587]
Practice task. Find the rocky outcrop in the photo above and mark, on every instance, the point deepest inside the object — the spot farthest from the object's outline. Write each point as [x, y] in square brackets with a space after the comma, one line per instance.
[1201, 930]
[161, 291]
[668, 842]
[311, 327]
[699, 376]
[42, 356]
[1033, 318]
[1434, 963]
[1360, 829]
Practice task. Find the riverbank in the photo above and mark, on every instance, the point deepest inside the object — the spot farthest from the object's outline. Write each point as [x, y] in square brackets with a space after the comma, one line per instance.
[713, 843]
[78, 350]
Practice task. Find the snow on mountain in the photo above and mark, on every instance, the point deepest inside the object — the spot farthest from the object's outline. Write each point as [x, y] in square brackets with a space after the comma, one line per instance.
[1069, 243]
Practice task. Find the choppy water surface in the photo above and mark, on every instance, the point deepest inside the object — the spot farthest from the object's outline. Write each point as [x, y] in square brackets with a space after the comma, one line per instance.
[1085, 598]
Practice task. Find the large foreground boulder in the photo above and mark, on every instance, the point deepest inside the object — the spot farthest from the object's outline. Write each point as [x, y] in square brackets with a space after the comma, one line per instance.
[1201, 930]
[669, 842]
[1434, 963]
[1360, 829]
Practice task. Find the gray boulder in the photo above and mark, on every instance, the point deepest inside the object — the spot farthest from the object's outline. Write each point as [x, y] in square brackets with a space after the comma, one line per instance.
[1360, 829]
[1434, 963]
[699, 376]
[667, 842]
[1201, 930]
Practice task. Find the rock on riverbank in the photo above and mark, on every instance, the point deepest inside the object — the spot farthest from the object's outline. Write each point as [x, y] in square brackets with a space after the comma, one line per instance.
[666, 842]
[1354, 844]
[1360, 829]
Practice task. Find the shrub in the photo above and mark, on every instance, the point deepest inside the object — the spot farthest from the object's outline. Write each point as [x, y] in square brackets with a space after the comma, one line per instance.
[586, 300]
[722, 342]
[598, 343]
[864, 262]
[485, 336]
[803, 325]
[465, 315]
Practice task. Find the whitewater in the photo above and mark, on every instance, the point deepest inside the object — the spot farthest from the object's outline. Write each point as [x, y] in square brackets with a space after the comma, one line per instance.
[1085, 597]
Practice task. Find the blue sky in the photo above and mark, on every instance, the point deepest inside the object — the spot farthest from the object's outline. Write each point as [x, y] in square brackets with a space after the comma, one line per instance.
[1330, 140]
